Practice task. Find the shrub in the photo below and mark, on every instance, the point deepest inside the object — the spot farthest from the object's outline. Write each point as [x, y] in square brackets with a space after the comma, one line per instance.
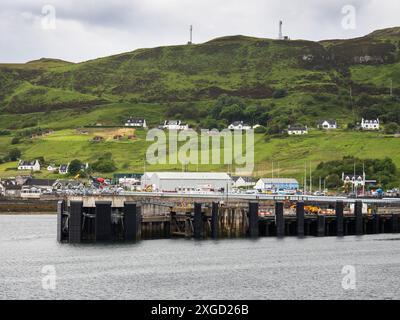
[5, 132]
[391, 128]
[279, 93]
[260, 129]
[104, 165]
[14, 154]
[75, 167]
[15, 140]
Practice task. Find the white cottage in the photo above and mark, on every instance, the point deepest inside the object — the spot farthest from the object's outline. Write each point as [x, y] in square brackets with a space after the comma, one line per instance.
[29, 165]
[298, 130]
[137, 123]
[327, 124]
[370, 124]
[175, 125]
[239, 125]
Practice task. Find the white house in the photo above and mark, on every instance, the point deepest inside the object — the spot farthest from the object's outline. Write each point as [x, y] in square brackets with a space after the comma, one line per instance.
[239, 125]
[327, 124]
[138, 123]
[29, 165]
[298, 130]
[370, 124]
[243, 182]
[52, 168]
[357, 180]
[175, 125]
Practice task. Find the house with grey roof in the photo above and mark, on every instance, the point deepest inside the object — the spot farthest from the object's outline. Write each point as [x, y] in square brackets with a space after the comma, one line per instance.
[327, 124]
[29, 165]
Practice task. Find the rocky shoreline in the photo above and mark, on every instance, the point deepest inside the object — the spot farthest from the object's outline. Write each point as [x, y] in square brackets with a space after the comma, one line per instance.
[19, 206]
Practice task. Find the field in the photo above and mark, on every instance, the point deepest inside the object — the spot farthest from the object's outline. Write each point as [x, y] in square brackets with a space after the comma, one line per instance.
[288, 154]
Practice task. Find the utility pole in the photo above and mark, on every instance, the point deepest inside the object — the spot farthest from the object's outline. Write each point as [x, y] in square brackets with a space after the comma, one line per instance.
[310, 179]
[191, 35]
[363, 178]
[305, 177]
[320, 184]
[354, 180]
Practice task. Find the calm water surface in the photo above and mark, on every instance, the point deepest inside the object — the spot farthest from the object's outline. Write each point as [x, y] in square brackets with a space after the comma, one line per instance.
[267, 268]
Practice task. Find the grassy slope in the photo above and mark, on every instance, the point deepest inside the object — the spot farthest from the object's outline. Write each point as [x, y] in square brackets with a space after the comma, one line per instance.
[140, 83]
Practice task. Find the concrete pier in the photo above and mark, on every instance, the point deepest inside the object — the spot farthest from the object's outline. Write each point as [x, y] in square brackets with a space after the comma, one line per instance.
[124, 220]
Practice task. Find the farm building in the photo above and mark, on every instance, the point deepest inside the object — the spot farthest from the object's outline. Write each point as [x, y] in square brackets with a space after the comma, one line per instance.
[186, 181]
[277, 184]
[297, 130]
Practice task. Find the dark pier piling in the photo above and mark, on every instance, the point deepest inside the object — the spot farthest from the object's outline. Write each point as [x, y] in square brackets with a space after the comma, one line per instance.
[300, 218]
[125, 220]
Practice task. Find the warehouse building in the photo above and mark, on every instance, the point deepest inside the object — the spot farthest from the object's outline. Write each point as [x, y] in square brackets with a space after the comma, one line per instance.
[277, 184]
[186, 181]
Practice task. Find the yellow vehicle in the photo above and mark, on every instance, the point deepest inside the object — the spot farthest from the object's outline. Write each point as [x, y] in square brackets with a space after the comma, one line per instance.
[309, 209]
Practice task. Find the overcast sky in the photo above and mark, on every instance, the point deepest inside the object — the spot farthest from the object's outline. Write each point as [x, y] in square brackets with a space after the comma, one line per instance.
[87, 29]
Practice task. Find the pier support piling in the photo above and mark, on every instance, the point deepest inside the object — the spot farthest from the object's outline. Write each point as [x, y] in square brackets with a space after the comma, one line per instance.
[359, 218]
[103, 221]
[60, 211]
[375, 223]
[300, 218]
[75, 222]
[253, 220]
[214, 220]
[132, 221]
[279, 219]
[321, 226]
[395, 223]
[198, 221]
[339, 219]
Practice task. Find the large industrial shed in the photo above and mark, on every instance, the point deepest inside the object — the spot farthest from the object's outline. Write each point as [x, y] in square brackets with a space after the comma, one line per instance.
[186, 181]
[277, 184]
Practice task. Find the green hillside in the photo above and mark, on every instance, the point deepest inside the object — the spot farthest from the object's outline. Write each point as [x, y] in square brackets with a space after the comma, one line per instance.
[272, 82]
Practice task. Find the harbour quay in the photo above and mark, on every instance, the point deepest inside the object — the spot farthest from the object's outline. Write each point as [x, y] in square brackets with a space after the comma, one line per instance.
[146, 216]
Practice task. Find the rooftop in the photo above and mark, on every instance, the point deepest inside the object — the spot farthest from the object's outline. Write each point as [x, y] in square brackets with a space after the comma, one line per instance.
[190, 175]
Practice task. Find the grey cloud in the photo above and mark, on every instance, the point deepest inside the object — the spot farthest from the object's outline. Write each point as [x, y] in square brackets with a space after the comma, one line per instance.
[87, 29]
